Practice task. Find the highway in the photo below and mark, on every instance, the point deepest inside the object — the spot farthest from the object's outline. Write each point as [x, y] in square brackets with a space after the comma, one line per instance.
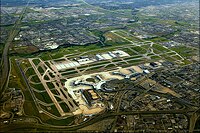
[5, 63]
[118, 108]
[13, 127]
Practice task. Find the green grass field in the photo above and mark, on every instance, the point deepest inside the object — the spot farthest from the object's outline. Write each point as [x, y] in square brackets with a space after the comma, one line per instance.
[50, 85]
[46, 77]
[155, 57]
[51, 109]
[40, 69]
[55, 92]
[43, 96]
[129, 51]
[113, 39]
[64, 107]
[30, 72]
[58, 99]
[185, 51]
[160, 48]
[62, 122]
[139, 49]
[36, 61]
[39, 86]
[128, 36]
[68, 73]
[35, 79]
[133, 57]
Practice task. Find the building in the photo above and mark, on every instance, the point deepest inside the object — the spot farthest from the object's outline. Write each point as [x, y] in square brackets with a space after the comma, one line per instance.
[99, 57]
[89, 96]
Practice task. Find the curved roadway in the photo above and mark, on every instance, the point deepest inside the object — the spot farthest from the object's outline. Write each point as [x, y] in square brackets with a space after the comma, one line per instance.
[13, 127]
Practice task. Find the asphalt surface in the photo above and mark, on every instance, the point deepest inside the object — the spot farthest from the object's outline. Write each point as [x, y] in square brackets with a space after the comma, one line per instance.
[5, 63]
[13, 127]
